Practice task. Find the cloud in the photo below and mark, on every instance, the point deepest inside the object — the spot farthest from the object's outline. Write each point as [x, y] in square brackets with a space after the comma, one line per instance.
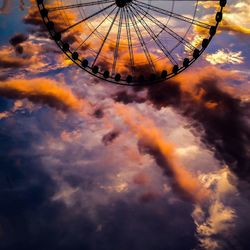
[5, 7]
[236, 17]
[151, 141]
[48, 185]
[216, 224]
[125, 97]
[141, 179]
[219, 224]
[225, 57]
[148, 196]
[18, 38]
[39, 29]
[41, 90]
[219, 117]
[9, 60]
[110, 137]
[21, 4]
[4, 115]
[30, 55]
[235, 21]
[98, 113]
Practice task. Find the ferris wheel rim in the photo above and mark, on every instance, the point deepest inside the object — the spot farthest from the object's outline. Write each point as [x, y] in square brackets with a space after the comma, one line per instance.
[130, 80]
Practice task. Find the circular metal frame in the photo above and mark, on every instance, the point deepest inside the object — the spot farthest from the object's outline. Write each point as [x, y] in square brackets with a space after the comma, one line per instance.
[128, 79]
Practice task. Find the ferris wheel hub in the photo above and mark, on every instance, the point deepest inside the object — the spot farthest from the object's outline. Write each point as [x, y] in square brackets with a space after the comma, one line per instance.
[122, 3]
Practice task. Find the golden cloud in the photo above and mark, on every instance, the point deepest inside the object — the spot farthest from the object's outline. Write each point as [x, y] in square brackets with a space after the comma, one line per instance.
[41, 90]
[236, 17]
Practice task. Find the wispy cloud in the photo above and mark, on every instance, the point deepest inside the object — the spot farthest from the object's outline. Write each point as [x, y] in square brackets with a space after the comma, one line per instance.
[223, 56]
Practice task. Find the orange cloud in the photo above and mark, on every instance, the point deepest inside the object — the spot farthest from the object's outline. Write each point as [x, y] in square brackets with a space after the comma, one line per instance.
[8, 59]
[41, 90]
[164, 153]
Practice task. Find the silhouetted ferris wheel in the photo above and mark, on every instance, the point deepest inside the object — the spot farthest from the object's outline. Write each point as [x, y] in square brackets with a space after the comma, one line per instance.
[132, 42]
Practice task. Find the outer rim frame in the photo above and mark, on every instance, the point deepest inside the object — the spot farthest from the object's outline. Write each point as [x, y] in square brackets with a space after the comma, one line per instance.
[129, 81]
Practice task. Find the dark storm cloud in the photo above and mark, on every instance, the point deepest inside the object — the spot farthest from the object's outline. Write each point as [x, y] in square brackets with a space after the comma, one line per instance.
[163, 95]
[33, 18]
[19, 49]
[149, 226]
[125, 97]
[18, 38]
[110, 137]
[98, 113]
[12, 63]
[225, 126]
[29, 219]
[148, 196]
[220, 117]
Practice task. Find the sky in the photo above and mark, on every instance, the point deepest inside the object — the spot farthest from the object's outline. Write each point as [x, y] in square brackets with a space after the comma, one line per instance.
[85, 164]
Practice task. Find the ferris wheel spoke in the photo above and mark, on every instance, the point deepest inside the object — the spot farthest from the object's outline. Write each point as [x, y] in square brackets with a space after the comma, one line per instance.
[72, 6]
[130, 44]
[104, 41]
[140, 37]
[165, 28]
[86, 18]
[96, 28]
[172, 14]
[117, 41]
[155, 38]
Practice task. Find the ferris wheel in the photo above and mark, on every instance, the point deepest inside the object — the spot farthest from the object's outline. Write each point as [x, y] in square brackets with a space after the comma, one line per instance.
[132, 42]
